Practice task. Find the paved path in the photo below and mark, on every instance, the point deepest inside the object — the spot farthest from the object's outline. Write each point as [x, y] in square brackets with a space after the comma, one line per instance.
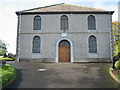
[62, 75]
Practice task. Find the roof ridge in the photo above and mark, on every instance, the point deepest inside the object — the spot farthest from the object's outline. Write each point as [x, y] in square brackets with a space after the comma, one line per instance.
[44, 6]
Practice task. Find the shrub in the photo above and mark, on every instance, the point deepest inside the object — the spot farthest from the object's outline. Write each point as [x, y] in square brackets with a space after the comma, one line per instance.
[117, 64]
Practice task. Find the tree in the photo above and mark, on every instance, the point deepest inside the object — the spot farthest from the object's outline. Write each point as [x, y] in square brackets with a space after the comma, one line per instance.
[116, 37]
[3, 47]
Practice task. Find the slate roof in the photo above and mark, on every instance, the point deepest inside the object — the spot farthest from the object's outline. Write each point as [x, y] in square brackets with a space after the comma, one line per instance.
[63, 8]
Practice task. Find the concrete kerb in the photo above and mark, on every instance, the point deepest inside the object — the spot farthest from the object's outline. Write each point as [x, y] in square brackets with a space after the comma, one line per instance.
[113, 76]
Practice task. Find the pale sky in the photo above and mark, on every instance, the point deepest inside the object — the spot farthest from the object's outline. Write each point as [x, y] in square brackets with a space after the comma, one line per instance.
[8, 18]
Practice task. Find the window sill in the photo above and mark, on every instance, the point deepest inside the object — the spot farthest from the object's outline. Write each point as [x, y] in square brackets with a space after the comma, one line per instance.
[93, 55]
[36, 55]
[36, 29]
[92, 30]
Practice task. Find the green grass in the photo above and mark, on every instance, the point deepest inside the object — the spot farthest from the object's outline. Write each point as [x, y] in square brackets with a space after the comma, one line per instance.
[108, 76]
[8, 72]
[5, 58]
[118, 76]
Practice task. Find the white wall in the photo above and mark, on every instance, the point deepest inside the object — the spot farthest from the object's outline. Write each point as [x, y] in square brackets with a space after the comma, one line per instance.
[78, 33]
[51, 23]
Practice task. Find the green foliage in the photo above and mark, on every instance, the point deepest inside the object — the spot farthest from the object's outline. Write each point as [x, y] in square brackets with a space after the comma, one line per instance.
[117, 48]
[2, 52]
[8, 72]
[118, 76]
[117, 64]
[116, 37]
[5, 58]
[3, 47]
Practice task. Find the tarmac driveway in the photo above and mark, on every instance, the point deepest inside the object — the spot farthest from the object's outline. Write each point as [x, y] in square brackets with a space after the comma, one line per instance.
[62, 75]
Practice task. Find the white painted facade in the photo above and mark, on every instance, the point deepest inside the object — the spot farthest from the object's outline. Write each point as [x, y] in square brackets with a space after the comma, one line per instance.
[77, 34]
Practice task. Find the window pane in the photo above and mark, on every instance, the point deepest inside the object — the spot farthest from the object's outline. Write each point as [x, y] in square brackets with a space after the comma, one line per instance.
[64, 22]
[91, 22]
[36, 44]
[92, 44]
[64, 43]
[37, 23]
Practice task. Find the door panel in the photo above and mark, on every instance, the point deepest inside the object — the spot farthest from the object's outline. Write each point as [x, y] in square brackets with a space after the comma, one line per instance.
[64, 54]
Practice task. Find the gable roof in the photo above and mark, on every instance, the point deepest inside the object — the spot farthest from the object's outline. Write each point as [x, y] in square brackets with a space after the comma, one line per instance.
[63, 8]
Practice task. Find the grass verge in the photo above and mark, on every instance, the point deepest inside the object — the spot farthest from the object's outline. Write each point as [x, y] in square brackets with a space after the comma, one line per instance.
[118, 76]
[5, 58]
[108, 76]
[8, 73]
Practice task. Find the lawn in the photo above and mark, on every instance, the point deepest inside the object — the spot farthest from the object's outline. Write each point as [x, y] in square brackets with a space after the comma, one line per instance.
[6, 58]
[8, 73]
[118, 76]
[108, 76]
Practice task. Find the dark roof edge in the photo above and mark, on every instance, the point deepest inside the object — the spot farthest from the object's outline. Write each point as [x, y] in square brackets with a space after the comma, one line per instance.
[67, 12]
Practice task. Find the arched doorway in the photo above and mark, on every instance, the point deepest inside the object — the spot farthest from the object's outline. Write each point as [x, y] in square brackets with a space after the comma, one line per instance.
[64, 51]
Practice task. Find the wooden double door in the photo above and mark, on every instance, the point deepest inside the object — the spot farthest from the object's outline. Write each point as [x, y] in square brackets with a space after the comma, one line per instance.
[64, 51]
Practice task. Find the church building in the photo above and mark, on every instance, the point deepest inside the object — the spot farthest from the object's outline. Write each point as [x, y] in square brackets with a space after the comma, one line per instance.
[64, 33]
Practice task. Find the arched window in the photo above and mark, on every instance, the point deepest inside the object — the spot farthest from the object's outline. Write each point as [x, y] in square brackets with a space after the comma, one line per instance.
[36, 44]
[92, 44]
[64, 22]
[64, 43]
[37, 23]
[91, 23]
